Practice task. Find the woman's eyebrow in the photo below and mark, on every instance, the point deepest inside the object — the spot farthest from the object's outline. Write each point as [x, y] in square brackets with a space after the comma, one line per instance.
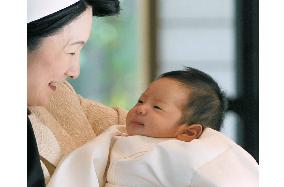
[77, 42]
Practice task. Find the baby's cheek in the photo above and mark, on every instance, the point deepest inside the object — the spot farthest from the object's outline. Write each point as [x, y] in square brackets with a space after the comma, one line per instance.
[128, 117]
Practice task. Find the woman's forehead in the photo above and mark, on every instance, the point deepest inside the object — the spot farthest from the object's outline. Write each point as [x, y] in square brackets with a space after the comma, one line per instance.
[77, 31]
[80, 27]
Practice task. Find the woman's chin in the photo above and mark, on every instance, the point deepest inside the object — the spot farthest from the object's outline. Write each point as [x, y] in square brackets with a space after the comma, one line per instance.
[43, 100]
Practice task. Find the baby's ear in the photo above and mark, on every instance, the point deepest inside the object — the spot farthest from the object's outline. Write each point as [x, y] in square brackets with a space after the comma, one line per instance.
[189, 132]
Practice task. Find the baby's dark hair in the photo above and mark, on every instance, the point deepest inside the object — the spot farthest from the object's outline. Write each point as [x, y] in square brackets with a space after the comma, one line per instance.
[206, 103]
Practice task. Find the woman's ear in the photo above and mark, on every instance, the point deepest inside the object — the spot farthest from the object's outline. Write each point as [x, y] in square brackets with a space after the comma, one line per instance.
[189, 132]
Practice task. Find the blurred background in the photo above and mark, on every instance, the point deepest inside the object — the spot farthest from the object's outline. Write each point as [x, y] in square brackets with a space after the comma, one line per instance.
[149, 37]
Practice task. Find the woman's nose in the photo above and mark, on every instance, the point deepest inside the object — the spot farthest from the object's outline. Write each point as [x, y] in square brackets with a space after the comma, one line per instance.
[74, 71]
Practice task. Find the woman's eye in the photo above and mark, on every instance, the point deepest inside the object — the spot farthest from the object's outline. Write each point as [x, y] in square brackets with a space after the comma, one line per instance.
[140, 101]
[157, 107]
[72, 54]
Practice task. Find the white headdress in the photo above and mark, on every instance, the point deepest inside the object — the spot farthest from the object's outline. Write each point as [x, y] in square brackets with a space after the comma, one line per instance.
[41, 8]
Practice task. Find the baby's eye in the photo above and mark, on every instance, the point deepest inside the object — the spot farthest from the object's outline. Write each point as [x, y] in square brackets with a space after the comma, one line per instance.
[157, 107]
[72, 54]
[140, 101]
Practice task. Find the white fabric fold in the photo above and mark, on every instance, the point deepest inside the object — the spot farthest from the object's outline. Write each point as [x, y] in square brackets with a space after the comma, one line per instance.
[213, 160]
[86, 165]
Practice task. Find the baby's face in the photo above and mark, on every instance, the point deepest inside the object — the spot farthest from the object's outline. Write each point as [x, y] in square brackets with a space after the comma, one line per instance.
[158, 110]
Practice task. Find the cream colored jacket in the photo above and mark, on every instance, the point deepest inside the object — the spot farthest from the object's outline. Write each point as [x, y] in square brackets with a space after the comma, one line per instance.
[67, 123]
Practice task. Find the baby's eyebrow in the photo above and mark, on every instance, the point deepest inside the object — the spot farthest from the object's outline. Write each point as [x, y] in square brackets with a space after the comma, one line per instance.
[156, 100]
[144, 95]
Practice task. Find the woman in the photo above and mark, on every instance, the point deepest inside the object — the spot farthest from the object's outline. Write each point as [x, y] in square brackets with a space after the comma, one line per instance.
[57, 31]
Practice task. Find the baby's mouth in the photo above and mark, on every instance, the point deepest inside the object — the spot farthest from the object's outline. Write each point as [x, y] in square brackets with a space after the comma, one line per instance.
[136, 123]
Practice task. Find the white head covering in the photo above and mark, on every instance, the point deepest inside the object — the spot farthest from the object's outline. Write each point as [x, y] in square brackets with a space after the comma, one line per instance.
[41, 8]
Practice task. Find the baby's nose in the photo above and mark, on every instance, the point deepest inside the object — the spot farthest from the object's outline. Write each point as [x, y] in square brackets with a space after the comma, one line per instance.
[141, 110]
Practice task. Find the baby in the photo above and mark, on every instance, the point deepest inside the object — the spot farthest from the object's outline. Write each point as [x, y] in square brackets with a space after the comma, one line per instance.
[179, 104]
[177, 119]
[171, 139]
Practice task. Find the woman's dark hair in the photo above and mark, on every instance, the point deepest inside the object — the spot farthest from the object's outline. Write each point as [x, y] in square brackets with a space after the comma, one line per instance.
[50, 24]
[206, 103]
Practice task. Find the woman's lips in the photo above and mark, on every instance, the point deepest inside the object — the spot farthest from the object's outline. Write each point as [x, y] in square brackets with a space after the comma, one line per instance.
[52, 86]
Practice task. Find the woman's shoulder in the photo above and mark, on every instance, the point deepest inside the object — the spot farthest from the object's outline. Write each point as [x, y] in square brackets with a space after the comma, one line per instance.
[70, 120]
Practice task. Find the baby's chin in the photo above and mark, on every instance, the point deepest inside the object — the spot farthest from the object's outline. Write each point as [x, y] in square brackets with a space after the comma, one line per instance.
[133, 132]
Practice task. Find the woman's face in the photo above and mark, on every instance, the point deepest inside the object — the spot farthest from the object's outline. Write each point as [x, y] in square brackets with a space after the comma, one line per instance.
[56, 58]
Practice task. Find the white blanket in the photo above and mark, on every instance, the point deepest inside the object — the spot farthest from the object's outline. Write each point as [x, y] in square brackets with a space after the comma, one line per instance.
[85, 166]
[138, 161]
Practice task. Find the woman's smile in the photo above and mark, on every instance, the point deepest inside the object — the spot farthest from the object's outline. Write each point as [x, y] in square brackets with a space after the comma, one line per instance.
[52, 86]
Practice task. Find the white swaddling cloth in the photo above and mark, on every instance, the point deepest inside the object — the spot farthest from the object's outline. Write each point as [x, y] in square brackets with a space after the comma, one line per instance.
[139, 161]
